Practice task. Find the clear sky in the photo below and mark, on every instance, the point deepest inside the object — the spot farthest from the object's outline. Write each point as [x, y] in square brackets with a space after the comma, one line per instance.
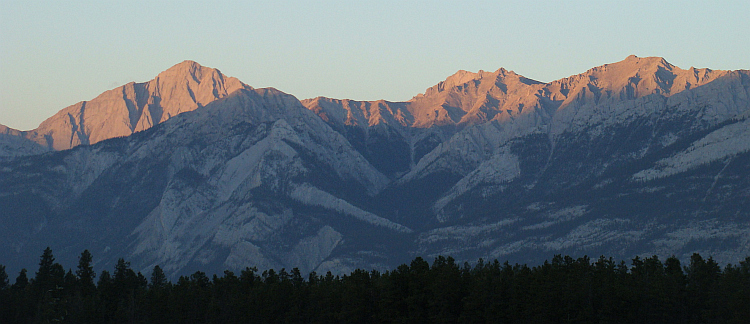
[56, 53]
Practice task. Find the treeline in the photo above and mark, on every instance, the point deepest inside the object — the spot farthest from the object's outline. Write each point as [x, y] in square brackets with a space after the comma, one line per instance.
[563, 290]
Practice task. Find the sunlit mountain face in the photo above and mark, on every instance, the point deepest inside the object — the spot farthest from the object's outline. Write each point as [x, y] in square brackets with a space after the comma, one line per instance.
[195, 170]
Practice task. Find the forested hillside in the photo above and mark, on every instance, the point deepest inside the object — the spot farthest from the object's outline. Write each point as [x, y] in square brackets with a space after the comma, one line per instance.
[563, 290]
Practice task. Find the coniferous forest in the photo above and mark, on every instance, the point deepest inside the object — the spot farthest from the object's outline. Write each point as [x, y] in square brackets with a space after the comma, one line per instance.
[562, 290]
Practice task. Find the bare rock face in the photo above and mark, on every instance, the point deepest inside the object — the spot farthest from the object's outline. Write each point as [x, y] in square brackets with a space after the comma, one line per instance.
[464, 98]
[637, 157]
[252, 179]
[134, 107]
[521, 147]
[340, 113]
[405, 132]
[12, 143]
[468, 98]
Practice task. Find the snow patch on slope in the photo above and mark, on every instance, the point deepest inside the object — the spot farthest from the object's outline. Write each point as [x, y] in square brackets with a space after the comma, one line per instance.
[463, 233]
[501, 167]
[11, 145]
[310, 195]
[704, 230]
[248, 224]
[461, 154]
[559, 216]
[246, 164]
[83, 167]
[724, 142]
[312, 250]
[595, 233]
[246, 253]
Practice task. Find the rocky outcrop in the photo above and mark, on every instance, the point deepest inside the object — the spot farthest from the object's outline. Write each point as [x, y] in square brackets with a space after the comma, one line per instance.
[12, 143]
[134, 107]
[252, 178]
[633, 158]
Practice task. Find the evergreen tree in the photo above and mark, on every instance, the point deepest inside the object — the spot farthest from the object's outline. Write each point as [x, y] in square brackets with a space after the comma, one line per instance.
[3, 278]
[84, 300]
[70, 281]
[47, 276]
[108, 297]
[702, 276]
[563, 290]
[85, 273]
[129, 285]
[419, 296]
[226, 304]
[21, 281]
[190, 298]
[446, 289]
[674, 289]
[5, 297]
[22, 305]
[48, 290]
[158, 279]
[157, 297]
[608, 286]
[358, 302]
[734, 296]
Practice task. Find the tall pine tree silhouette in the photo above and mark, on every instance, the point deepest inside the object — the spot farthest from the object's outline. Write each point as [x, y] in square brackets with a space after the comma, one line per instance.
[85, 272]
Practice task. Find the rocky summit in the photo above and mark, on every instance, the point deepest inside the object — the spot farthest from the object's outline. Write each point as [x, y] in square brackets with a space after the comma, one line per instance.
[195, 170]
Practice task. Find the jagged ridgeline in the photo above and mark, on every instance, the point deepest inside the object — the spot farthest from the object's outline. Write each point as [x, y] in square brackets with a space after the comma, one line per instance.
[563, 289]
[196, 170]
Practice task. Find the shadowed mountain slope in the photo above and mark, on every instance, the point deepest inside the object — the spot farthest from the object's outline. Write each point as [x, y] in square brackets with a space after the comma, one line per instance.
[637, 157]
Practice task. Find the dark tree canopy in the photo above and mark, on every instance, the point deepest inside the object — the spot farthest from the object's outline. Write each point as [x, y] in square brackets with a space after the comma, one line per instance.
[562, 290]
[3, 278]
[85, 272]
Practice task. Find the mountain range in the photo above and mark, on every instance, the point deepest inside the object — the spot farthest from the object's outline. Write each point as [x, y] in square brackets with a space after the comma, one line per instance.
[195, 170]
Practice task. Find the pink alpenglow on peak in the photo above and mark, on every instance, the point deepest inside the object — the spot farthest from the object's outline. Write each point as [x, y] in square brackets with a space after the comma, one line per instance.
[467, 98]
[135, 106]
[463, 99]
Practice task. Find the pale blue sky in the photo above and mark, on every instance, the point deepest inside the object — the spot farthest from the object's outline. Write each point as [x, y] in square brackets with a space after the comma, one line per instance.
[56, 53]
